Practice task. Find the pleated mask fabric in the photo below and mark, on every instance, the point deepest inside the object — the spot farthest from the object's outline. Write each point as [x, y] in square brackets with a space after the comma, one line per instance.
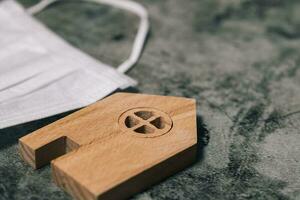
[42, 75]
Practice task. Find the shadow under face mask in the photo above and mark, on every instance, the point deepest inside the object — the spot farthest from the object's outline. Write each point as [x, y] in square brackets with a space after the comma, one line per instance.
[41, 75]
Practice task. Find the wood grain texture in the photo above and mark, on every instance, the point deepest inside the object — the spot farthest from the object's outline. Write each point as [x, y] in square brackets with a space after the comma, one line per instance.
[118, 146]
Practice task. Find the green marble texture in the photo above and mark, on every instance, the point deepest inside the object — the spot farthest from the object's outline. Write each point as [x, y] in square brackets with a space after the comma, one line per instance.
[238, 58]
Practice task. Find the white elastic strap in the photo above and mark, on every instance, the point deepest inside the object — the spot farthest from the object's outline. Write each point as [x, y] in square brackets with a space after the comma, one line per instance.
[125, 5]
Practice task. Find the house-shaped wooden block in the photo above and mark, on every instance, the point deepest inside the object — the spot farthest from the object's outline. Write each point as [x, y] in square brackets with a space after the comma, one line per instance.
[118, 146]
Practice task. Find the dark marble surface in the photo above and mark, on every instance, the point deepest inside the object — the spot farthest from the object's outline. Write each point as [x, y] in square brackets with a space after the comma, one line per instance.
[238, 58]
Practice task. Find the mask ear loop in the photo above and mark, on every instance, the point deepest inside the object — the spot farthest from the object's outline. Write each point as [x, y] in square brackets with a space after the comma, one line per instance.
[128, 5]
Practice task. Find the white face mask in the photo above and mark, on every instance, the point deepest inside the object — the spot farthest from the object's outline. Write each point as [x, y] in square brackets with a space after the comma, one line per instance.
[41, 75]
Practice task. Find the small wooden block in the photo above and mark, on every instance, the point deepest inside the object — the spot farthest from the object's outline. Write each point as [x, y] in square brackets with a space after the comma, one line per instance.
[118, 146]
